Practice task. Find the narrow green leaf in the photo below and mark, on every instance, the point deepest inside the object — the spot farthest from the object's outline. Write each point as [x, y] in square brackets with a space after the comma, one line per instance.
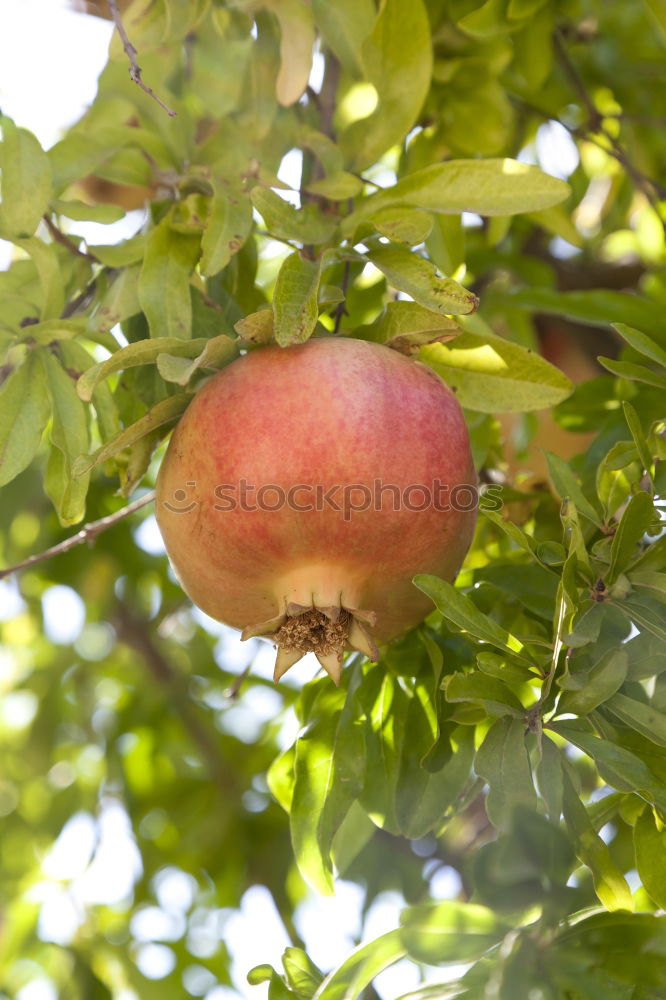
[461, 611]
[417, 276]
[642, 343]
[80, 211]
[296, 41]
[403, 225]
[637, 715]
[256, 328]
[164, 282]
[329, 769]
[636, 519]
[164, 412]
[497, 698]
[301, 973]
[227, 228]
[143, 352]
[344, 25]
[502, 762]
[295, 303]
[610, 885]
[639, 373]
[24, 413]
[646, 614]
[45, 259]
[285, 222]
[488, 187]
[650, 848]
[451, 932]
[69, 434]
[217, 352]
[619, 767]
[401, 322]
[26, 180]
[585, 690]
[549, 778]
[349, 980]
[642, 447]
[567, 486]
[493, 375]
[397, 61]
[119, 302]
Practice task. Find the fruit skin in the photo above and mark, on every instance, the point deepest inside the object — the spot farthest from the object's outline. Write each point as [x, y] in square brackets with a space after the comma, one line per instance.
[330, 411]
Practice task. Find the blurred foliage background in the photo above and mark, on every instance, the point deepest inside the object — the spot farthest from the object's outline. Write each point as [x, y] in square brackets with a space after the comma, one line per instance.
[501, 772]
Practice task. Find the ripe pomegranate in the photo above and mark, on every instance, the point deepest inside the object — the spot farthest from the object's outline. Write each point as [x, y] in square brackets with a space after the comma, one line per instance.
[295, 433]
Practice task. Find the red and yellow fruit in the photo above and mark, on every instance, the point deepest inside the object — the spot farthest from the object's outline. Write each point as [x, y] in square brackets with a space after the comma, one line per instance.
[319, 416]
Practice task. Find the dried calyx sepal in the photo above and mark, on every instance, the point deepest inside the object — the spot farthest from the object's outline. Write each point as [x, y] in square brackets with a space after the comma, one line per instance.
[326, 632]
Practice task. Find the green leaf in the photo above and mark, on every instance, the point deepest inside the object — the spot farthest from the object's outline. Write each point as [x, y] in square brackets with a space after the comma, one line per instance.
[493, 375]
[397, 61]
[495, 697]
[143, 352]
[69, 434]
[417, 276]
[285, 222]
[257, 328]
[24, 413]
[636, 519]
[598, 307]
[227, 228]
[451, 932]
[119, 302]
[461, 611]
[646, 614]
[502, 762]
[403, 225]
[329, 768]
[45, 259]
[639, 373]
[217, 352]
[650, 848]
[610, 885]
[549, 778]
[295, 299]
[344, 26]
[349, 980]
[302, 974]
[403, 322]
[26, 180]
[639, 716]
[80, 211]
[121, 254]
[642, 343]
[487, 187]
[585, 690]
[568, 487]
[164, 282]
[619, 767]
[642, 447]
[165, 412]
[296, 41]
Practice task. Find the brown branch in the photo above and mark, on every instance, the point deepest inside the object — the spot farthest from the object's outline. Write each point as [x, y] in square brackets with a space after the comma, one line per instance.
[87, 534]
[63, 240]
[135, 69]
[135, 635]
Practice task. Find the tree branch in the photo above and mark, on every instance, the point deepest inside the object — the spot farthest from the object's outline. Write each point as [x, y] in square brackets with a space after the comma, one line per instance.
[64, 240]
[135, 69]
[87, 533]
[135, 635]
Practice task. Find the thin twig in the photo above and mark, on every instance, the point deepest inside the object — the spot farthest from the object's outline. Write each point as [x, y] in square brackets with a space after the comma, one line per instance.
[64, 240]
[135, 69]
[87, 533]
[341, 308]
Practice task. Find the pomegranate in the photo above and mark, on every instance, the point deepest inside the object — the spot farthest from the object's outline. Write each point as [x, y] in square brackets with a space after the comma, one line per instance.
[305, 487]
